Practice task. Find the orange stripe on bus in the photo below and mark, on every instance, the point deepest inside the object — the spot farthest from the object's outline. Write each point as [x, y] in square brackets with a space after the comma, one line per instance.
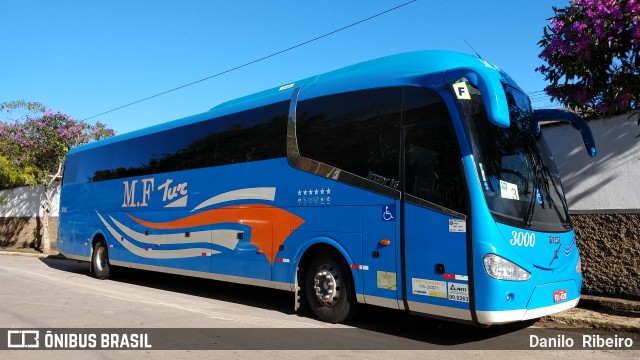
[270, 226]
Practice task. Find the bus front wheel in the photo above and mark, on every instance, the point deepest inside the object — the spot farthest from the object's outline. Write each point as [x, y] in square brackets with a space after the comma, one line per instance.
[100, 261]
[329, 288]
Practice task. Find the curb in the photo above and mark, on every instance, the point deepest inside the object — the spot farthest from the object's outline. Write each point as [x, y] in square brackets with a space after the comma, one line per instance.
[581, 318]
[615, 306]
[32, 254]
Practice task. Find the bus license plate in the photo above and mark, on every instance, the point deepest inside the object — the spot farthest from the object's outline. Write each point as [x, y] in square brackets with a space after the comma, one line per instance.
[559, 295]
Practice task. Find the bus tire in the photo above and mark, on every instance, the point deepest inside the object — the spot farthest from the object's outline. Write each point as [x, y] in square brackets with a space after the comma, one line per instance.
[329, 288]
[100, 261]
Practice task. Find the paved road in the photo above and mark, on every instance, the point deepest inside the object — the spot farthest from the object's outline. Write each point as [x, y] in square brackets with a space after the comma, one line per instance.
[55, 293]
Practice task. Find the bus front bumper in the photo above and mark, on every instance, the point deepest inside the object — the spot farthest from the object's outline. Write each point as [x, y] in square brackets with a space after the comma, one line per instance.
[542, 302]
[508, 316]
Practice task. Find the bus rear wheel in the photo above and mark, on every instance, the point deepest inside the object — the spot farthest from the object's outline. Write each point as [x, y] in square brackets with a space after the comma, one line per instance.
[329, 288]
[100, 261]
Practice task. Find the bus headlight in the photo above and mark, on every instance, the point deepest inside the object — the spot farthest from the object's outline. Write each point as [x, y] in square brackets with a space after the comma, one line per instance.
[579, 266]
[500, 268]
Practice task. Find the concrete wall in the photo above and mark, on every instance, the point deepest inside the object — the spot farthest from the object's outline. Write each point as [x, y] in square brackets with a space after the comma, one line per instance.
[27, 201]
[21, 217]
[25, 232]
[610, 182]
[603, 194]
[609, 246]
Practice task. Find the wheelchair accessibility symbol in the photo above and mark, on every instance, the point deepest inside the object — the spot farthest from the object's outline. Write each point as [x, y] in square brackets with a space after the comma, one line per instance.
[389, 213]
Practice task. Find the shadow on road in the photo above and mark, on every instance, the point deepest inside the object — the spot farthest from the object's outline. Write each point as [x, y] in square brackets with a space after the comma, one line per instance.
[383, 323]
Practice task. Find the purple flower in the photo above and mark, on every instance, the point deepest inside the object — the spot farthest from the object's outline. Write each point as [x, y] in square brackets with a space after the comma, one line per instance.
[581, 95]
[623, 101]
[602, 107]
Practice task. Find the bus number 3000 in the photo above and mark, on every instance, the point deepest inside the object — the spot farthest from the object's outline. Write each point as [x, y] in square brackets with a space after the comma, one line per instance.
[521, 238]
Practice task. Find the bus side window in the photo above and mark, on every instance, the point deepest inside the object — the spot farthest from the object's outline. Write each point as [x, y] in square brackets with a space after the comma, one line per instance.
[358, 132]
[95, 165]
[432, 156]
[252, 135]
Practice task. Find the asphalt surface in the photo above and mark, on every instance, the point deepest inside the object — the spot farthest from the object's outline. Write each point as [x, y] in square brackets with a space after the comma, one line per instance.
[596, 312]
[191, 314]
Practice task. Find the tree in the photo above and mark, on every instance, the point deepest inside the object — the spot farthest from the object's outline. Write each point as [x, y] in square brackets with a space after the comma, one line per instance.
[42, 143]
[592, 53]
[12, 175]
[29, 106]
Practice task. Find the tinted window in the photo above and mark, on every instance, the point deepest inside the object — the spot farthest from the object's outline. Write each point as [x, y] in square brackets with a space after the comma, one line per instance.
[432, 156]
[251, 135]
[254, 135]
[358, 132]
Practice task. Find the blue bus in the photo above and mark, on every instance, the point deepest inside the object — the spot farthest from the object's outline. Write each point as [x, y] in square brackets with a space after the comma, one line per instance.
[419, 181]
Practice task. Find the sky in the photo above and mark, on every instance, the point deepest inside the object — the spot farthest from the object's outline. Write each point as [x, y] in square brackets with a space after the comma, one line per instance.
[84, 58]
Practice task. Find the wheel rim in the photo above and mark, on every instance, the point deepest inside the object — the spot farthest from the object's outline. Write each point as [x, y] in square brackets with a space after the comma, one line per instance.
[326, 284]
[100, 259]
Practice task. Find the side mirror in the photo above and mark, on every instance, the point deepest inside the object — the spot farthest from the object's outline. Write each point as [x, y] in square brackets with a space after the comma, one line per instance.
[568, 117]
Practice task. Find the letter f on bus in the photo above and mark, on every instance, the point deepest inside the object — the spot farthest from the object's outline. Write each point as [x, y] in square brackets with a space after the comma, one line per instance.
[461, 90]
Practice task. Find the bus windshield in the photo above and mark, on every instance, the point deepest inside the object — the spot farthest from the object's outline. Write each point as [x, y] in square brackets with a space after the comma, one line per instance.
[516, 169]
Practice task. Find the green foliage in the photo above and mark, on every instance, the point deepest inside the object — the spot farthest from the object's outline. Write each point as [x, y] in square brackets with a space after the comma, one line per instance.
[30, 106]
[12, 175]
[592, 50]
[37, 145]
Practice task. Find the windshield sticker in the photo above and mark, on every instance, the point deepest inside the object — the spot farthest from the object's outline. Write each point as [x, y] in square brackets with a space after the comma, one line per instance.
[461, 90]
[508, 190]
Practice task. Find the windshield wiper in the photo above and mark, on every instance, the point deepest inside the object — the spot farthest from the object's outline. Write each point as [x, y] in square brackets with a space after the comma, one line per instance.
[541, 187]
[537, 179]
[546, 175]
[540, 181]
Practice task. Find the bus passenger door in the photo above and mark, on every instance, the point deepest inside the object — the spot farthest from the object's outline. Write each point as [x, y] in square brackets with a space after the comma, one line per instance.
[379, 227]
[434, 220]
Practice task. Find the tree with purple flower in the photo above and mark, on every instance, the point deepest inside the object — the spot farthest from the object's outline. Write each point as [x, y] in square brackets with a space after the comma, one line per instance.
[592, 51]
[40, 141]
